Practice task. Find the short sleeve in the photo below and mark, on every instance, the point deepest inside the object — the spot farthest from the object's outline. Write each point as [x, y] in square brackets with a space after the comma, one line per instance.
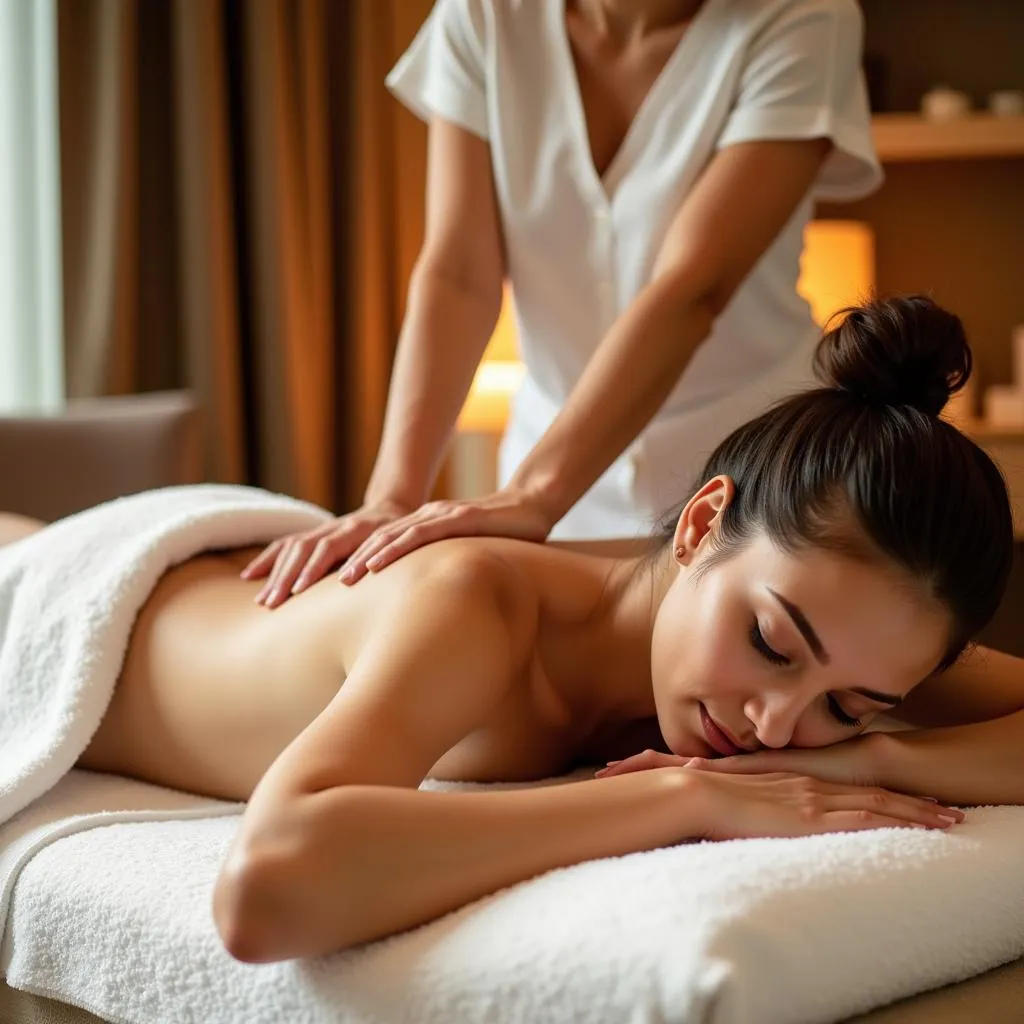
[443, 72]
[802, 79]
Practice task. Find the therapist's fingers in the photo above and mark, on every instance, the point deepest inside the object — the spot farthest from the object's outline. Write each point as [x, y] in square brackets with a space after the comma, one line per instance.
[290, 562]
[381, 540]
[414, 537]
[434, 521]
[304, 558]
[261, 565]
[503, 514]
[331, 551]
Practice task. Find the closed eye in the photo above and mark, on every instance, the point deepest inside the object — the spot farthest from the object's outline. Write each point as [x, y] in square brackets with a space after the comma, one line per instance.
[837, 712]
[758, 642]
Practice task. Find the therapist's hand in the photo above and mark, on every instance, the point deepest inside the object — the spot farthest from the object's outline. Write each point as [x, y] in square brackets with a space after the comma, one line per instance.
[298, 560]
[506, 513]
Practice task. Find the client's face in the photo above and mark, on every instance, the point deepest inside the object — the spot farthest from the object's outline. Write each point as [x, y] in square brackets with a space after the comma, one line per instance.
[768, 649]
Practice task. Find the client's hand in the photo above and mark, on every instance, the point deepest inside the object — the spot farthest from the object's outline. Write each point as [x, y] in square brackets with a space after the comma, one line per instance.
[782, 804]
[744, 796]
[853, 762]
[506, 513]
[297, 561]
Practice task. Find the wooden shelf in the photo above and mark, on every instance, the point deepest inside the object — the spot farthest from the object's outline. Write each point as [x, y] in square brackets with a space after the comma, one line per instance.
[907, 137]
[1006, 447]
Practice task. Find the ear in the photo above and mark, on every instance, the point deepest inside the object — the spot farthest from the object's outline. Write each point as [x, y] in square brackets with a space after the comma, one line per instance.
[698, 516]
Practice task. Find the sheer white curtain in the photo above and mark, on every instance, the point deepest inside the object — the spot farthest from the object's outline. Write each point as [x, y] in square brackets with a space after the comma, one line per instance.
[31, 310]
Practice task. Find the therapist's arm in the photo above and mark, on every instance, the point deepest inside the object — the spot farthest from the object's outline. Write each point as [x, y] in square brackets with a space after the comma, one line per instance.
[453, 303]
[739, 205]
[742, 201]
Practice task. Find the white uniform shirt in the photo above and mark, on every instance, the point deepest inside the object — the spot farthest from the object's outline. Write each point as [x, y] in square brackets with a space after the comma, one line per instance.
[580, 247]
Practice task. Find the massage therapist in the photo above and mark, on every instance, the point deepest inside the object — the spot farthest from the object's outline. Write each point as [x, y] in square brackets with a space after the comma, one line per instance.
[641, 171]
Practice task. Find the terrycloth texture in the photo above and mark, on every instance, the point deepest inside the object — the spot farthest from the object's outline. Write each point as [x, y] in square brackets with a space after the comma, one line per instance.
[117, 919]
[69, 596]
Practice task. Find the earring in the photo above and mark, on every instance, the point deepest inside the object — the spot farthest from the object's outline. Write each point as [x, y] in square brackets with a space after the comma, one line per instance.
[680, 552]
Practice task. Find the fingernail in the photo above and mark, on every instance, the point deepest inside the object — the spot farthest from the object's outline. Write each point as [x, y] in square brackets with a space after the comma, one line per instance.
[947, 818]
[933, 799]
[300, 584]
[613, 763]
[346, 576]
[372, 563]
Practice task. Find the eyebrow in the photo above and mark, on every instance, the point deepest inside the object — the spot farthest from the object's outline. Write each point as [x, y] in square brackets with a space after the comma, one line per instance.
[806, 629]
[819, 652]
[876, 695]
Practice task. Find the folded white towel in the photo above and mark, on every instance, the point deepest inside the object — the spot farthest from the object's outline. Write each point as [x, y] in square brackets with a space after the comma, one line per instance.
[792, 931]
[69, 596]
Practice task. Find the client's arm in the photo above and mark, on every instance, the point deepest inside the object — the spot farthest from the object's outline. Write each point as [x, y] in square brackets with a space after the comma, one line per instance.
[337, 847]
[971, 749]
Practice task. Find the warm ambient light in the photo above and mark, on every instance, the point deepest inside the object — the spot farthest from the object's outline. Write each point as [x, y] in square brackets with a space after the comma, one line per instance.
[837, 270]
[497, 378]
[838, 266]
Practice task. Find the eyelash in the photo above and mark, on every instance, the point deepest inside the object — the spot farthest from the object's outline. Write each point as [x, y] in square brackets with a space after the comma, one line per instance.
[839, 714]
[759, 644]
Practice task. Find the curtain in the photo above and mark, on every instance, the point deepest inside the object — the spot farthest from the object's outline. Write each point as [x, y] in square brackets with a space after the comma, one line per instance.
[242, 204]
[31, 378]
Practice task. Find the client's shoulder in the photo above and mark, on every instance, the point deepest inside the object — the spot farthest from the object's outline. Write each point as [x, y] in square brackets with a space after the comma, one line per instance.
[478, 567]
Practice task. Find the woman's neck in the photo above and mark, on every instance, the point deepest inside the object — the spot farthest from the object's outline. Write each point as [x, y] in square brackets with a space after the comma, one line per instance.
[628, 18]
[611, 680]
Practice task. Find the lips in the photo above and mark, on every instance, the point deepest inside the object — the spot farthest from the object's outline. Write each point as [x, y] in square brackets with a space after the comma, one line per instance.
[717, 739]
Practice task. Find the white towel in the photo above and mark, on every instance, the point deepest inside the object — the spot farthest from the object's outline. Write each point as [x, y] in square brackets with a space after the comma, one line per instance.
[772, 931]
[69, 596]
[117, 918]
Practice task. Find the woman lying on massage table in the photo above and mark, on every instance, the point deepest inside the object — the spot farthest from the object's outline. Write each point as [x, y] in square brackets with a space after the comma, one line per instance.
[839, 553]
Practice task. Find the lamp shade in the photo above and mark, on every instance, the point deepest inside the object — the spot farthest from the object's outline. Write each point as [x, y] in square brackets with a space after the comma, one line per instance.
[838, 266]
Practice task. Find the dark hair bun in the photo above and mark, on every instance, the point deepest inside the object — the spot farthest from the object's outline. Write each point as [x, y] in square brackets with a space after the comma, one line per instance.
[906, 351]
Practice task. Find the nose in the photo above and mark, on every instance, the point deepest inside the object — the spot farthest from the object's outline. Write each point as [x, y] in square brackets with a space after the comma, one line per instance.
[774, 715]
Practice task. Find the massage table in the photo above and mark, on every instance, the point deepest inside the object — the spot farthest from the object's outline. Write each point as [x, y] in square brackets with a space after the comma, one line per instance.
[995, 997]
[135, 444]
[82, 942]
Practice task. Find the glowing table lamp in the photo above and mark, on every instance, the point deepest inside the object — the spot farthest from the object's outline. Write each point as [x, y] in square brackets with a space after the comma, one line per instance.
[838, 266]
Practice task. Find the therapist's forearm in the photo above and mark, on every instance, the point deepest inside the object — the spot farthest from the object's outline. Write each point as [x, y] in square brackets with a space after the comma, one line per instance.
[625, 383]
[445, 331]
[981, 763]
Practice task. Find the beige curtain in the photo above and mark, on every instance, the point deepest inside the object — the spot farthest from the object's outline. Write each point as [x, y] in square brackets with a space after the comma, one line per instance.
[242, 203]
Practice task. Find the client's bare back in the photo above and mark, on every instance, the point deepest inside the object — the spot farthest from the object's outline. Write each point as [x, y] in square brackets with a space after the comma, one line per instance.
[213, 687]
[203, 702]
